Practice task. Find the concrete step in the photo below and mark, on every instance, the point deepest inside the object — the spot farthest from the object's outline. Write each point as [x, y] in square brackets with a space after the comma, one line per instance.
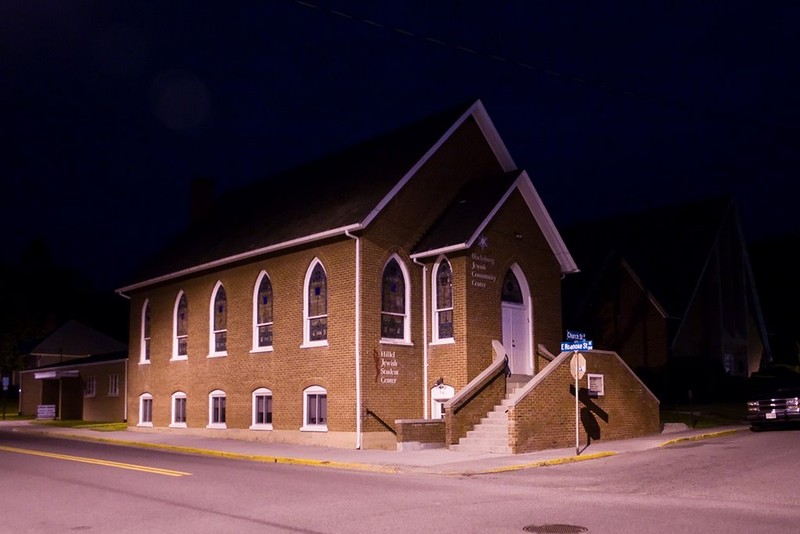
[498, 432]
[491, 434]
[500, 449]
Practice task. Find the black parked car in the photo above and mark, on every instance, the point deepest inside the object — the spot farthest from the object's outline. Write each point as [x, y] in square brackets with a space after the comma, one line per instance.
[773, 398]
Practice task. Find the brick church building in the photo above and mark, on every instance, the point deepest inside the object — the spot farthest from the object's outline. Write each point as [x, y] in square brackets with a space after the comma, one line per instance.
[354, 301]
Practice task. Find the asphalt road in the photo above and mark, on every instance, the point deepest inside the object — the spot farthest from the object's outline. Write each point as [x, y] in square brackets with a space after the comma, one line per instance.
[746, 482]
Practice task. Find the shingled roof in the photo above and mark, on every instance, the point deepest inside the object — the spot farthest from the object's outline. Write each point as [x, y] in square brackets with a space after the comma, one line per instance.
[325, 198]
[75, 339]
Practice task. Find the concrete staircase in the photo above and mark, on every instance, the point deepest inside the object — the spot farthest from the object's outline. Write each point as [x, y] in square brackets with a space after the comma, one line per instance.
[491, 434]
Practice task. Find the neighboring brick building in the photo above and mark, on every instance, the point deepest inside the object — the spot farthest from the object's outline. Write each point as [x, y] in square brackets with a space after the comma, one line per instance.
[672, 291]
[78, 372]
[329, 303]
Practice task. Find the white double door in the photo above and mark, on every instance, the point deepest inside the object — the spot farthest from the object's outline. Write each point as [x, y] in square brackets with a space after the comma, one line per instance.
[517, 338]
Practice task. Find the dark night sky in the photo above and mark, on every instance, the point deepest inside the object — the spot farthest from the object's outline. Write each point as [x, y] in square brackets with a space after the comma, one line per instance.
[110, 108]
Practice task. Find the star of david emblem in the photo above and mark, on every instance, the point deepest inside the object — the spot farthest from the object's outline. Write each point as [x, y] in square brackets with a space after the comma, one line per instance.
[483, 242]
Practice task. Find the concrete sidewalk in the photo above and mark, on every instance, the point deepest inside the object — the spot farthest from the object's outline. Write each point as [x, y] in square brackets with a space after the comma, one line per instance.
[431, 461]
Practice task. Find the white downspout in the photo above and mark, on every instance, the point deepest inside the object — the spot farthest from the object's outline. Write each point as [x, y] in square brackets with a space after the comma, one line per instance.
[424, 338]
[358, 337]
[127, 361]
[125, 405]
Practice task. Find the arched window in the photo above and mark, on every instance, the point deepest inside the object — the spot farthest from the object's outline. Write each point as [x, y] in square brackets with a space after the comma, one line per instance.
[443, 302]
[145, 410]
[315, 409]
[262, 410]
[178, 417]
[394, 302]
[219, 321]
[180, 345]
[144, 346]
[512, 292]
[216, 409]
[262, 313]
[316, 305]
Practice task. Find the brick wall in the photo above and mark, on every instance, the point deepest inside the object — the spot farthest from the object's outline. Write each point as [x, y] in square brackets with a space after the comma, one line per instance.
[105, 406]
[415, 434]
[544, 416]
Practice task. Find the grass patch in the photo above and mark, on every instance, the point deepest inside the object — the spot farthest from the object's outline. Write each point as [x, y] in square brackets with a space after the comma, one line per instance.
[100, 427]
[705, 415]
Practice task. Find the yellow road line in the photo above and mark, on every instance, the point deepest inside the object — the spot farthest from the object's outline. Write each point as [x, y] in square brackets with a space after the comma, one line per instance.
[95, 461]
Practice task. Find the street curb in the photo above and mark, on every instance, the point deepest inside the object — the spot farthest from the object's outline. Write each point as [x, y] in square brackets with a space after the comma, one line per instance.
[224, 454]
[545, 463]
[708, 435]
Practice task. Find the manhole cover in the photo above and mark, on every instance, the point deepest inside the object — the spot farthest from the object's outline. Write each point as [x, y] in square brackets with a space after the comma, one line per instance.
[555, 529]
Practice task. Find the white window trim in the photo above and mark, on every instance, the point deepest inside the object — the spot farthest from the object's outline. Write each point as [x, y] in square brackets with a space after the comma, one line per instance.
[113, 385]
[313, 390]
[142, 398]
[216, 394]
[212, 342]
[259, 426]
[435, 339]
[176, 395]
[91, 387]
[439, 396]
[175, 356]
[143, 360]
[406, 339]
[307, 343]
[256, 348]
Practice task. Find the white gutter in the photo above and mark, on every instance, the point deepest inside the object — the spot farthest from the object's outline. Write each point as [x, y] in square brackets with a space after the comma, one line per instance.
[358, 337]
[344, 230]
[424, 338]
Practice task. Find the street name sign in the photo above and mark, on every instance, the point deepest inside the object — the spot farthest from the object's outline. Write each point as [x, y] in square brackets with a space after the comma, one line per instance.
[576, 345]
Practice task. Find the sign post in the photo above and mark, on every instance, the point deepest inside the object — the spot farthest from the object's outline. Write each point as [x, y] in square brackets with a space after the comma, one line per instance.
[576, 341]
[5, 395]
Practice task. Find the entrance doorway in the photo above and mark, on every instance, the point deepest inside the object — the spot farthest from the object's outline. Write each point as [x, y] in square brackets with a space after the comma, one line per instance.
[517, 322]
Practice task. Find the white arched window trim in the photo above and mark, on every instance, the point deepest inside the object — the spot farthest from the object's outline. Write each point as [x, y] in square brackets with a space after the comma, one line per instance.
[440, 394]
[145, 410]
[258, 396]
[307, 342]
[256, 347]
[175, 421]
[212, 346]
[436, 339]
[217, 401]
[315, 393]
[144, 338]
[175, 355]
[406, 340]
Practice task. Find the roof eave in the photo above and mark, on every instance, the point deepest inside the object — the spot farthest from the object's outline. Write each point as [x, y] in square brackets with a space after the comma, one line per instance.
[437, 251]
[545, 222]
[242, 256]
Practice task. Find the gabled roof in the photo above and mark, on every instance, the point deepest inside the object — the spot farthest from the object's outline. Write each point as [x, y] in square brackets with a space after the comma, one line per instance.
[475, 206]
[667, 250]
[75, 339]
[326, 198]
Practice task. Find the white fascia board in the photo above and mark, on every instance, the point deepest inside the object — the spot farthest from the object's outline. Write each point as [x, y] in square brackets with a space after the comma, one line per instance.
[490, 133]
[435, 252]
[243, 256]
[486, 126]
[545, 223]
